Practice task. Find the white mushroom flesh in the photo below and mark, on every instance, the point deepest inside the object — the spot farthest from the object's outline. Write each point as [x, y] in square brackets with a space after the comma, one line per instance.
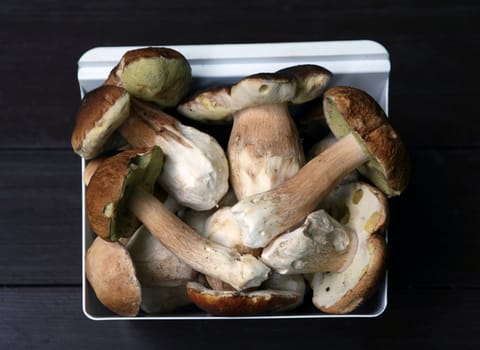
[359, 208]
[329, 287]
[200, 182]
[223, 229]
[319, 244]
[270, 170]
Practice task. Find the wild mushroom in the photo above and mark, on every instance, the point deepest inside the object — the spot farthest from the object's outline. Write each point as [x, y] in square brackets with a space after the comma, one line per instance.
[196, 171]
[119, 193]
[111, 273]
[264, 147]
[199, 183]
[132, 278]
[366, 138]
[321, 243]
[220, 302]
[362, 208]
[157, 74]
[101, 112]
[279, 293]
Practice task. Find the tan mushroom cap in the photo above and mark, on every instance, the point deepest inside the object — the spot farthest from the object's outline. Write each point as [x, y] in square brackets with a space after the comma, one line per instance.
[350, 109]
[311, 81]
[295, 84]
[110, 186]
[362, 208]
[157, 74]
[110, 272]
[217, 302]
[220, 103]
[101, 112]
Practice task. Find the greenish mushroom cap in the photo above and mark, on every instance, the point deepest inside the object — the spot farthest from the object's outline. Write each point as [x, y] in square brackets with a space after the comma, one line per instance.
[160, 75]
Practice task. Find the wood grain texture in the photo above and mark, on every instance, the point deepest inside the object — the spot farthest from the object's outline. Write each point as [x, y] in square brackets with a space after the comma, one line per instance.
[51, 318]
[40, 202]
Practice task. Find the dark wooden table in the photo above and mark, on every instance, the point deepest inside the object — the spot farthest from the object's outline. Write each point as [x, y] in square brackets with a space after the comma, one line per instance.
[434, 270]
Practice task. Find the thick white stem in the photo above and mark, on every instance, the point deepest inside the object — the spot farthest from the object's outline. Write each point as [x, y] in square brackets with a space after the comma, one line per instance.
[226, 264]
[198, 183]
[265, 215]
[264, 149]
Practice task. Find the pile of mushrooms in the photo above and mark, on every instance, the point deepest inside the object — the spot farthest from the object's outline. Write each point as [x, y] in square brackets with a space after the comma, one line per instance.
[245, 230]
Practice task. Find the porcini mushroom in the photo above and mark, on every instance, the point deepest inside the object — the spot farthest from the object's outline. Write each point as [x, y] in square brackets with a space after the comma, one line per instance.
[101, 112]
[196, 171]
[278, 293]
[157, 74]
[362, 208]
[321, 243]
[366, 138]
[221, 302]
[264, 148]
[118, 194]
[111, 273]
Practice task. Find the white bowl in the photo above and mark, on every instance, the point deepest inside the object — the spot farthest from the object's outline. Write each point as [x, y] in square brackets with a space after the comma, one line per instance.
[361, 63]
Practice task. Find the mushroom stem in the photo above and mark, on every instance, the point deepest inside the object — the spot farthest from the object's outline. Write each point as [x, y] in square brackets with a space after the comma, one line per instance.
[198, 183]
[321, 243]
[264, 149]
[240, 271]
[265, 215]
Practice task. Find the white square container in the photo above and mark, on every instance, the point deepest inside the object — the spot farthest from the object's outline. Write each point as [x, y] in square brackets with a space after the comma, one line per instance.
[361, 63]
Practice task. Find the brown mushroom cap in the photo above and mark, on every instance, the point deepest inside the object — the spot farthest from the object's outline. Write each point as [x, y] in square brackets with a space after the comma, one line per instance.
[157, 74]
[295, 84]
[110, 272]
[362, 208]
[348, 109]
[101, 112]
[217, 302]
[111, 185]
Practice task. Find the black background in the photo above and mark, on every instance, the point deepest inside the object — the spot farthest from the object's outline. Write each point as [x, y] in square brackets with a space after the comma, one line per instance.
[434, 294]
